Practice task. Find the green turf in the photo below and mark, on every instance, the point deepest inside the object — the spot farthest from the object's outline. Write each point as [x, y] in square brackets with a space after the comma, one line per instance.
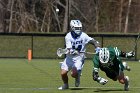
[42, 76]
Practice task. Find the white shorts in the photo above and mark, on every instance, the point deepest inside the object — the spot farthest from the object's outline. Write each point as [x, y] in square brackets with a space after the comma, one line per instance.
[71, 62]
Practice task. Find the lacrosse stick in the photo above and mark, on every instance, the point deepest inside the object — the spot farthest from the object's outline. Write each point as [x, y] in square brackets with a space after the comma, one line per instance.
[88, 53]
[61, 51]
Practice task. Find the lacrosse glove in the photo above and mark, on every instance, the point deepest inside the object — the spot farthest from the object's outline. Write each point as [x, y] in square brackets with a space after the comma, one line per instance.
[102, 80]
[98, 79]
[130, 54]
[97, 49]
[95, 74]
[74, 52]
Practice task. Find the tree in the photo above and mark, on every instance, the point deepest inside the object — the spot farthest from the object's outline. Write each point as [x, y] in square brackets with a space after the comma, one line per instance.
[127, 17]
[2, 15]
[96, 15]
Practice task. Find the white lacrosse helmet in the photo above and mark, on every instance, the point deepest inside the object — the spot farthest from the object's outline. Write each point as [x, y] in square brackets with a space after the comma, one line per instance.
[104, 55]
[76, 26]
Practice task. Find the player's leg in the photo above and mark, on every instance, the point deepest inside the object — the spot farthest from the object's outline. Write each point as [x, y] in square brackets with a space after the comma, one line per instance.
[76, 72]
[124, 80]
[65, 66]
[64, 77]
[83, 61]
[111, 74]
[126, 67]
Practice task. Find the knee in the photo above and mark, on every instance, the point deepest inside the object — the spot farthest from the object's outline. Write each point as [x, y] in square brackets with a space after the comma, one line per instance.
[121, 78]
[74, 73]
[63, 73]
[122, 81]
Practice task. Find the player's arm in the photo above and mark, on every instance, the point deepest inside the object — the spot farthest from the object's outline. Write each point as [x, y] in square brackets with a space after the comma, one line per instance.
[95, 74]
[127, 55]
[120, 53]
[96, 45]
[94, 42]
[97, 78]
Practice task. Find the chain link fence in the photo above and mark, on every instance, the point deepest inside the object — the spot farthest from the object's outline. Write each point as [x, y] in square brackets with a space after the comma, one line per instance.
[45, 45]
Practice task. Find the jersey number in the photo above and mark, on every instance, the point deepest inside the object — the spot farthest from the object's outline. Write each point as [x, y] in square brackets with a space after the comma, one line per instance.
[78, 48]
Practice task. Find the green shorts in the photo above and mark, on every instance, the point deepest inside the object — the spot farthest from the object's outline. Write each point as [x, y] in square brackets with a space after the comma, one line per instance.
[112, 72]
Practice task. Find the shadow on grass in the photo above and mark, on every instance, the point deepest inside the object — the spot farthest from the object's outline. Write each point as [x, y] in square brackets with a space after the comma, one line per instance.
[97, 89]
[77, 88]
[107, 90]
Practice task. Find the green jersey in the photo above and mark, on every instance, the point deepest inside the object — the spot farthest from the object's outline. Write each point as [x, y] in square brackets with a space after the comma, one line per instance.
[113, 66]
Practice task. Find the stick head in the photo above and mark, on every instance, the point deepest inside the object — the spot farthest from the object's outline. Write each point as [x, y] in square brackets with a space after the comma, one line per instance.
[61, 51]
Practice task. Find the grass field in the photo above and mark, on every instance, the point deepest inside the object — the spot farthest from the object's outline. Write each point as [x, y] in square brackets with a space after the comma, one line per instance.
[42, 76]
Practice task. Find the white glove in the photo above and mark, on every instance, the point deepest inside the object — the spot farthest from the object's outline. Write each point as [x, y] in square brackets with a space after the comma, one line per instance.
[102, 80]
[74, 52]
[130, 54]
[97, 49]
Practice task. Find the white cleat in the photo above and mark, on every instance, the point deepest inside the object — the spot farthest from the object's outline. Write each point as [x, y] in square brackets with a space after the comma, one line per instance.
[126, 86]
[65, 86]
[126, 67]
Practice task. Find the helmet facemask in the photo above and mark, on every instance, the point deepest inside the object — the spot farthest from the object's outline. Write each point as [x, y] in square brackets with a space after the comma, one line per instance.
[76, 26]
[104, 55]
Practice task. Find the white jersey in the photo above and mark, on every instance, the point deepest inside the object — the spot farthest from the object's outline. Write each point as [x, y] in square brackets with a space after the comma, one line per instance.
[78, 43]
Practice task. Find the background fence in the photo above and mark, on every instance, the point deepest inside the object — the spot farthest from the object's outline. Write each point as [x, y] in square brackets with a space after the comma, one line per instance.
[45, 45]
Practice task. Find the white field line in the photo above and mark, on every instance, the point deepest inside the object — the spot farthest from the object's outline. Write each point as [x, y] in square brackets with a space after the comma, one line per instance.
[25, 88]
[70, 88]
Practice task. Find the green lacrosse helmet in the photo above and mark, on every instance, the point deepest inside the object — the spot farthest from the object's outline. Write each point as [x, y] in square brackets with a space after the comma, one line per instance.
[104, 55]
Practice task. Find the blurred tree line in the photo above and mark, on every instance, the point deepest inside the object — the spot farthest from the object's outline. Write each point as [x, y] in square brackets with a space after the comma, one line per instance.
[21, 16]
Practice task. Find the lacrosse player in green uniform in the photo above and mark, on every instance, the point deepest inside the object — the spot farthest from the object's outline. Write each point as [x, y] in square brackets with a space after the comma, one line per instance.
[109, 60]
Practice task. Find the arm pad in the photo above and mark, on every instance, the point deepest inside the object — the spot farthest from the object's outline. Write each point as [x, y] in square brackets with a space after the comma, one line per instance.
[123, 54]
[94, 42]
[127, 55]
[95, 75]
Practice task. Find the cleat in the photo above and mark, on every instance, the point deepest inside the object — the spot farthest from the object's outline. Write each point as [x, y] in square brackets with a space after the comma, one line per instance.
[65, 86]
[126, 85]
[126, 67]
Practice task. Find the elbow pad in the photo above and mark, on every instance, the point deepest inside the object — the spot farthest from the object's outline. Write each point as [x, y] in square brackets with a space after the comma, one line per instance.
[95, 75]
[95, 43]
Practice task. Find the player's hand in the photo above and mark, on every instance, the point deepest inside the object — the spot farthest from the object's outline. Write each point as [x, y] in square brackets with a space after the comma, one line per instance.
[102, 80]
[130, 54]
[95, 75]
[97, 49]
[74, 52]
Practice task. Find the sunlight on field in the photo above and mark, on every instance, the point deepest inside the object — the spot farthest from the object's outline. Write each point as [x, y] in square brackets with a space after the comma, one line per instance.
[43, 76]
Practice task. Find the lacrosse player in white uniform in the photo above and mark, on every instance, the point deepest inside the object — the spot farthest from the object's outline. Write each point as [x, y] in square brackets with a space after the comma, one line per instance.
[76, 42]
